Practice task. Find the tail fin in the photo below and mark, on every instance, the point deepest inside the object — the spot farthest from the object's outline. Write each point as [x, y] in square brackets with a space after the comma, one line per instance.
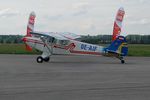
[30, 26]
[118, 23]
[118, 46]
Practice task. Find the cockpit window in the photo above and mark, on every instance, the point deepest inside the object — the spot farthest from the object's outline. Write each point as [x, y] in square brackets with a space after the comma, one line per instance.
[52, 40]
[63, 42]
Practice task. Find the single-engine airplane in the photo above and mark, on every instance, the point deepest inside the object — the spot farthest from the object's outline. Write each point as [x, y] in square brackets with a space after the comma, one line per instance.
[66, 43]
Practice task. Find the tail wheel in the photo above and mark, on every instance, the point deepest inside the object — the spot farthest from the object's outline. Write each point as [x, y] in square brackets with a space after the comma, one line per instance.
[39, 59]
[122, 61]
[46, 59]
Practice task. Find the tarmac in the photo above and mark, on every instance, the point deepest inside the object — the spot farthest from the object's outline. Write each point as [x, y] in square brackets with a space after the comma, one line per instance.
[74, 78]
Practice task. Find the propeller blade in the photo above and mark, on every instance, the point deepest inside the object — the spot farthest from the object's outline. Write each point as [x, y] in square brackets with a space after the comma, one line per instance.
[28, 48]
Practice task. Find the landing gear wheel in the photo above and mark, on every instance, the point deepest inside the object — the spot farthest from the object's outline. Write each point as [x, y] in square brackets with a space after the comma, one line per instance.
[46, 59]
[122, 61]
[39, 59]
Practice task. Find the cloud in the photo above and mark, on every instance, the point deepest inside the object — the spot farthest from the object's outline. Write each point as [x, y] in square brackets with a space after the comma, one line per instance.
[74, 10]
[80, 8]
[142, 1]
[53, 17]
[8, 12]
[2, 12]
[143, 21]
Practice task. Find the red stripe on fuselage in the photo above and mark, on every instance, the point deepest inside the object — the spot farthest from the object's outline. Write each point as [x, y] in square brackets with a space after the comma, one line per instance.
[86, 52]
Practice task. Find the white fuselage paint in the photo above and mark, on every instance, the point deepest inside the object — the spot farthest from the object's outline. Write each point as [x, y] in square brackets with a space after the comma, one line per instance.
[71, 47]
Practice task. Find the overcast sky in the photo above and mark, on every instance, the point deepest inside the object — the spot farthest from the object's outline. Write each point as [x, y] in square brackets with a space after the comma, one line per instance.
[77, 16]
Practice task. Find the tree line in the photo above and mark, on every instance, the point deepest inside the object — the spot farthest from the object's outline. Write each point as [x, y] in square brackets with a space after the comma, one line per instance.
[106, 39]
[98, 39]
[6, 39]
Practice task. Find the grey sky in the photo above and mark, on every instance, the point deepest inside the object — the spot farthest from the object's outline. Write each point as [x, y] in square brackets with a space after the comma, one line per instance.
[77, 16]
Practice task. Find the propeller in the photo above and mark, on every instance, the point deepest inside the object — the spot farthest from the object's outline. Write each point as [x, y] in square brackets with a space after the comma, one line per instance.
[28, 48]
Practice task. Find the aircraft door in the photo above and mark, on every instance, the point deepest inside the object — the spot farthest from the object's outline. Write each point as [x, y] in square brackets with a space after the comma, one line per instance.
[50, 42]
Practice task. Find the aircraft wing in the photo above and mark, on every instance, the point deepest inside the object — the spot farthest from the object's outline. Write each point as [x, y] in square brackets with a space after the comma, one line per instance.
[70, 35]
[51, 34]
[57, 35]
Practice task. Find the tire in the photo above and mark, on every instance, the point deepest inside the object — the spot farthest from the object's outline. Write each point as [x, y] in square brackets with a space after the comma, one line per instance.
[46, 59]
[122, 61]
[39, 59]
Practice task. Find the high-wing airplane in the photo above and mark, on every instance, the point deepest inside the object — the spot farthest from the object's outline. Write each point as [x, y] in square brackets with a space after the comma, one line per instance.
[66, 43]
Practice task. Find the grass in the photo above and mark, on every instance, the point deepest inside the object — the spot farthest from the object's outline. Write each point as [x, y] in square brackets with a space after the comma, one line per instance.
[139, 50]
[134, 49]
[15, 49]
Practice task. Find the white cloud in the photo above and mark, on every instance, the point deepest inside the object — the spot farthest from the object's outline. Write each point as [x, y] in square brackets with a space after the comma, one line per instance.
[140, 22]
[8, 12]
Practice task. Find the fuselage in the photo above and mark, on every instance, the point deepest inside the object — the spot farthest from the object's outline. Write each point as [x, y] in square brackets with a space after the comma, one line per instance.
[64, 46]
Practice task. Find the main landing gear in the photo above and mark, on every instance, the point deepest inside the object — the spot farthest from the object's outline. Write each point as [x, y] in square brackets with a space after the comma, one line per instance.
[41, 59]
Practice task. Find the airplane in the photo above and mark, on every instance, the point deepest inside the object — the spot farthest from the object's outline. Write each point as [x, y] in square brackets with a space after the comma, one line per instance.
[65, 43]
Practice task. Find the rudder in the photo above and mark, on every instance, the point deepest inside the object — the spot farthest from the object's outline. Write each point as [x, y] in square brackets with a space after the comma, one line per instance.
[118, 46]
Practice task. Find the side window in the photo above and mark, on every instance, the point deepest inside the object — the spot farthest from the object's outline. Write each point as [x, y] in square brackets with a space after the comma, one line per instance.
[63, 42]
[52, 40]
